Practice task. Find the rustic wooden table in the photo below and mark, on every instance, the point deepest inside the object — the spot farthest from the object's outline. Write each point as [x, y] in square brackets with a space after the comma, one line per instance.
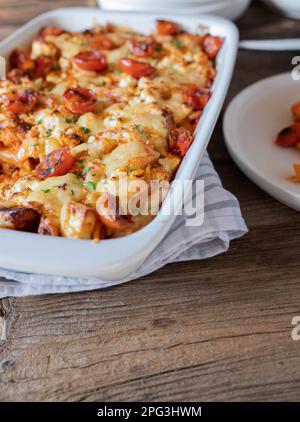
[211, 330]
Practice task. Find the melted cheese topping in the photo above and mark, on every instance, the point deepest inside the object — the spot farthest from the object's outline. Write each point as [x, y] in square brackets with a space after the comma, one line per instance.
[127, 133]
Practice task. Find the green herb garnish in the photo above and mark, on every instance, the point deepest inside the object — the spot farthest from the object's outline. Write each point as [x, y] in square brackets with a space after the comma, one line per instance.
[177, 43]
[90, 185]
[49, 132]
[139, 129]
[85, 171]
[85, 130]
[39, 122]
[46, 190]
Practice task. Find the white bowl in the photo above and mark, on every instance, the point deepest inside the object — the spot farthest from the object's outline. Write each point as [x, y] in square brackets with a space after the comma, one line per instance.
[287, 7]
[251, 123]
[114, 259]
[230, 9]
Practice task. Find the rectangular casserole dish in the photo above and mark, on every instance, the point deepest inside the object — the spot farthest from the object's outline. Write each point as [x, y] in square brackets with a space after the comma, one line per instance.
[114, 259]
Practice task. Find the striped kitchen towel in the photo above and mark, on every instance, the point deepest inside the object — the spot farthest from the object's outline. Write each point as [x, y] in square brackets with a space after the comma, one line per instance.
[223, 222]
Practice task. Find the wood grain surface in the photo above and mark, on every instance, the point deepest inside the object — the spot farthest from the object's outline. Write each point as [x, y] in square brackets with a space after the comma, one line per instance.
[209, 330]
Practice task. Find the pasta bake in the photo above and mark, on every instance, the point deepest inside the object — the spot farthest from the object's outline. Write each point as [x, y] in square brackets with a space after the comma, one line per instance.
[290, 137]
[79, 111]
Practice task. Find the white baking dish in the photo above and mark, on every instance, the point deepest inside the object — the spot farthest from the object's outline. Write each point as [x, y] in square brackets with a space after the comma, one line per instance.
[114, 259]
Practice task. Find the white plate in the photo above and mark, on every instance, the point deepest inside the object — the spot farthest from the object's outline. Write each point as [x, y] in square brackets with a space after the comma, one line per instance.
[288, 7]
[230, 9]
[251, 123]
[114, 259]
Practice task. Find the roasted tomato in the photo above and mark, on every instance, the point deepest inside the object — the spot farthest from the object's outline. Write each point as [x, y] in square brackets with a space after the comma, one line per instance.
[51, 30]
[80, 100]
[19, 103]
[107, 208]
[296, 128]
[297, 171]
[288, 137]
[167, 27]
[57, 163]
[19, 59]
[101, 42]
[135, 68]
[19, 218]
[196, 97]
[212, 45]
[93, 60]
[141, 48]
[43, 65]
[180, 141]
[296, 112]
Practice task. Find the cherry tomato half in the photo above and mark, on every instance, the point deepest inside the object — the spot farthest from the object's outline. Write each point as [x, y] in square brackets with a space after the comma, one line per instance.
[93, 60]
[57, 163]
[19, 218]
[164, 27]
[287, 137]
[296, 128]
[180, 141]
[80, 100]
[51, 30]
[20, 59]
[212, 45]
[107, 208]
[101, 42]
[43, 65]
[141, 48]
[19, 103]
[196, 97]
[135, 68]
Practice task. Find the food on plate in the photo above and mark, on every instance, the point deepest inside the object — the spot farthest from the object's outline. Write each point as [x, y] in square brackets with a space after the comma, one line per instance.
[290, 137]
[82, 111]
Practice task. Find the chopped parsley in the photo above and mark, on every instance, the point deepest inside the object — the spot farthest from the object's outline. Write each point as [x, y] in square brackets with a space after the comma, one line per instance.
[102, 83]
[49, 132]
[39, 122]
[85, 130]
[177, 43]
[85, 171]
[90, 185]
[46, 190]
[139, 129]
[72, 192]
